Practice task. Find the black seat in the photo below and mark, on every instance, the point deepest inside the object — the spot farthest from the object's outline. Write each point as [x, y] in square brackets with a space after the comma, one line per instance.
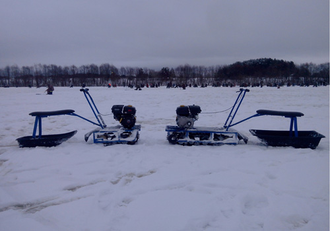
[51, 113]
[280, 113]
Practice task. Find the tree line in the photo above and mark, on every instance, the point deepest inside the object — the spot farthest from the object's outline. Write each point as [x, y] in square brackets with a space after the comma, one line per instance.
[254, 72]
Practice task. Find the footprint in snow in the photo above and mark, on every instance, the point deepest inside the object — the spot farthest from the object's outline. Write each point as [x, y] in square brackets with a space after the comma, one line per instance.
[252, 203]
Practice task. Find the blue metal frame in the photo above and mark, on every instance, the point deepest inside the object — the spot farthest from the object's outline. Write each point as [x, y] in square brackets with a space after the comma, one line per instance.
[235, 108]
[36, 123]
[95, 111]
[39, 115]
[231, 125]
[293, 124]
[97, 114]
[237, 104]
[97, 124]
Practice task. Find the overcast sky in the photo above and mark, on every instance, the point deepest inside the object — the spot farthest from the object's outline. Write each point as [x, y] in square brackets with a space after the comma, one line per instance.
[162, 33]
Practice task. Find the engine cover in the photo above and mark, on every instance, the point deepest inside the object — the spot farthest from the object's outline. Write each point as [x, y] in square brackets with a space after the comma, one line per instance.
[190, 111]
[125, 115]
[187, 115]
[185, 122]
[128, 121]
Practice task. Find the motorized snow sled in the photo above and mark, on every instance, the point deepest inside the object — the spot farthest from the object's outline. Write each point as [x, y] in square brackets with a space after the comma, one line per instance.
[186, 134]
[126, 133]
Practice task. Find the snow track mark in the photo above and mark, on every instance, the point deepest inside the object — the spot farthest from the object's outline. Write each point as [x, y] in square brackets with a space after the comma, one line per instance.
[128, 178]
[33, 207]
[296, 221]
[76, 187]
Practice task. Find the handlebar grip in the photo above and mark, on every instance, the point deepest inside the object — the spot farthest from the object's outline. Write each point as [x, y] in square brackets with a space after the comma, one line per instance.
[242, 89]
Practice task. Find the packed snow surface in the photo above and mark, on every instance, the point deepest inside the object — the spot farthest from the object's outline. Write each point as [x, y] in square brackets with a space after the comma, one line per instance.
[154, 185]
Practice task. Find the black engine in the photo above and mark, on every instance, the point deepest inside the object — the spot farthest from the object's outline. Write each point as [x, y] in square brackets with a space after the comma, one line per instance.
[125, 115]
[187, 115]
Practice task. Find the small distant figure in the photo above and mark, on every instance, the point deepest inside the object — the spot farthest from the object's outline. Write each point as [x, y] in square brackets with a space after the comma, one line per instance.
[50, 89]
[109, 85]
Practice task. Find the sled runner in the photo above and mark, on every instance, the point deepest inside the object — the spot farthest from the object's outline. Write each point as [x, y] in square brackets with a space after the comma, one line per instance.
[45, 140]
[186, 134]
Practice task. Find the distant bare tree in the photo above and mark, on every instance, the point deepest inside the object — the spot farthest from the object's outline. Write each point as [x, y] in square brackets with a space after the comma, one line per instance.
[73, 70]
[252, 72]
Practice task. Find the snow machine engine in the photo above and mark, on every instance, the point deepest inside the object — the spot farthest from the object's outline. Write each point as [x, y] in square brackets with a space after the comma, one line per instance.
[125, 115]
[187, 115]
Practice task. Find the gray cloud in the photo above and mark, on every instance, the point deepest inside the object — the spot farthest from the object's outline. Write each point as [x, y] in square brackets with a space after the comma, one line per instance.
[155, 34]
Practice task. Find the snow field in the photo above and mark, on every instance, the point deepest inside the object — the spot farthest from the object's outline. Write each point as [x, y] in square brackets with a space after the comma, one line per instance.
[157, 186]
